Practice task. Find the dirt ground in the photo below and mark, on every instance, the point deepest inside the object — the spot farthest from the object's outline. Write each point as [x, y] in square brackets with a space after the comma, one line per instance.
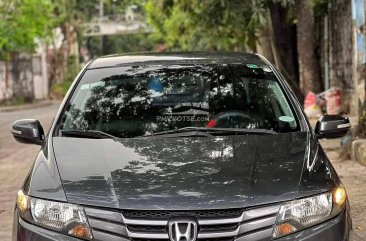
[16, 160]
[353, 176]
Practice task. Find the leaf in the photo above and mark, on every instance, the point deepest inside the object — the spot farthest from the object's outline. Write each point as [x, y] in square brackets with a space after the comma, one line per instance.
[22, 22]
[207, 25]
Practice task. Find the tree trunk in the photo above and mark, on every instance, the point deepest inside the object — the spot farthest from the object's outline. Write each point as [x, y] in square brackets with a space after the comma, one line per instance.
[283, 34]
[55, 66]
[310, 70]
[263, 44]
[69, 47]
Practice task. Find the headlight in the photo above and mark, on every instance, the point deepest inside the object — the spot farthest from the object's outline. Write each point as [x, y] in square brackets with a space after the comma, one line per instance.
[303, 213]
[61, 217]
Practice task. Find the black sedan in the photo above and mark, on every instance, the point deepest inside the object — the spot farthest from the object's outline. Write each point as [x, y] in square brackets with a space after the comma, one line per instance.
[181, 147]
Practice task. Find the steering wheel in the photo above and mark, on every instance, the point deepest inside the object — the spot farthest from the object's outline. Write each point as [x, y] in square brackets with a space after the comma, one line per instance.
[230, 119]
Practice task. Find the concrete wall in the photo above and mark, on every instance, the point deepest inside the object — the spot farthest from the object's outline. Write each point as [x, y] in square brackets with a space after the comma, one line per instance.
[25, 78]
[5, 81]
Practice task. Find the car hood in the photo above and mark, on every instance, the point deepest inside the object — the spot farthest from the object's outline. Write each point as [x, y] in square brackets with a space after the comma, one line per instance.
[181, 173]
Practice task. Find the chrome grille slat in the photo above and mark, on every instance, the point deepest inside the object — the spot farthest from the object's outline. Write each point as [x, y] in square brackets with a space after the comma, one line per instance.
[104, 214]
[145, 222]
[108, 226]
[219, 234]
[220, 221]
[260, 212]
[166, 236]
[240, 226]
[256, 224]
[148, 235]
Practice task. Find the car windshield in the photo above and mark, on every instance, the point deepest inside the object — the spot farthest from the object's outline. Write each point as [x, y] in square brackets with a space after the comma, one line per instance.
[131, 101]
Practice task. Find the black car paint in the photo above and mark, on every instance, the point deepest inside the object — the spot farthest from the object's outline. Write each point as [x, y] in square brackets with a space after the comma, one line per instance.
[189, 172]
[273, 168]
[181, 173]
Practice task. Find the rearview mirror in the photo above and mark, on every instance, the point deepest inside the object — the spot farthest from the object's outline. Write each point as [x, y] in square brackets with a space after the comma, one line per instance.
[332, 126]
[28, 131]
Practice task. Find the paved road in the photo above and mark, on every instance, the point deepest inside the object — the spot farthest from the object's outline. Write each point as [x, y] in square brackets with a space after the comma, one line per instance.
[16, 159]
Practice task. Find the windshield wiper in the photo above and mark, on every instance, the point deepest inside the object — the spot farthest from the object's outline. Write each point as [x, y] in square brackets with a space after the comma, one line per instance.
[211, 131]
[94, 134]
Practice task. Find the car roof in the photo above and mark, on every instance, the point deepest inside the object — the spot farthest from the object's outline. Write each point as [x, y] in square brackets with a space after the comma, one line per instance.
[176, 58]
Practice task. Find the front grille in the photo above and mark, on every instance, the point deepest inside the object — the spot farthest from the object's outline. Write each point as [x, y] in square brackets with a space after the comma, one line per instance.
[213, 225]
[211, 239]
[147, 229]
[162, 214]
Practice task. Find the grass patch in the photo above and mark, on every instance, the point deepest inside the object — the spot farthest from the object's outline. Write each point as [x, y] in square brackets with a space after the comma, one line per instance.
[16, 101]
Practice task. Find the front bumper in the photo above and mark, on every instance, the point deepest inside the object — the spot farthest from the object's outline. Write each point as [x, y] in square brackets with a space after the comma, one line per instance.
[337, 229]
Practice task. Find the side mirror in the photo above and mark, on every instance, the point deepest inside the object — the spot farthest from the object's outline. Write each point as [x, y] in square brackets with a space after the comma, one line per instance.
[332, 126]
[28, 131]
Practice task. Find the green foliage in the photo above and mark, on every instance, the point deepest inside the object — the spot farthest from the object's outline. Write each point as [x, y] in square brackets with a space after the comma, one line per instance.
[207, 25]
[16, 101]
[22, 22]
[72, 66]
[58, 91]
[214, 24]
[127, 43]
